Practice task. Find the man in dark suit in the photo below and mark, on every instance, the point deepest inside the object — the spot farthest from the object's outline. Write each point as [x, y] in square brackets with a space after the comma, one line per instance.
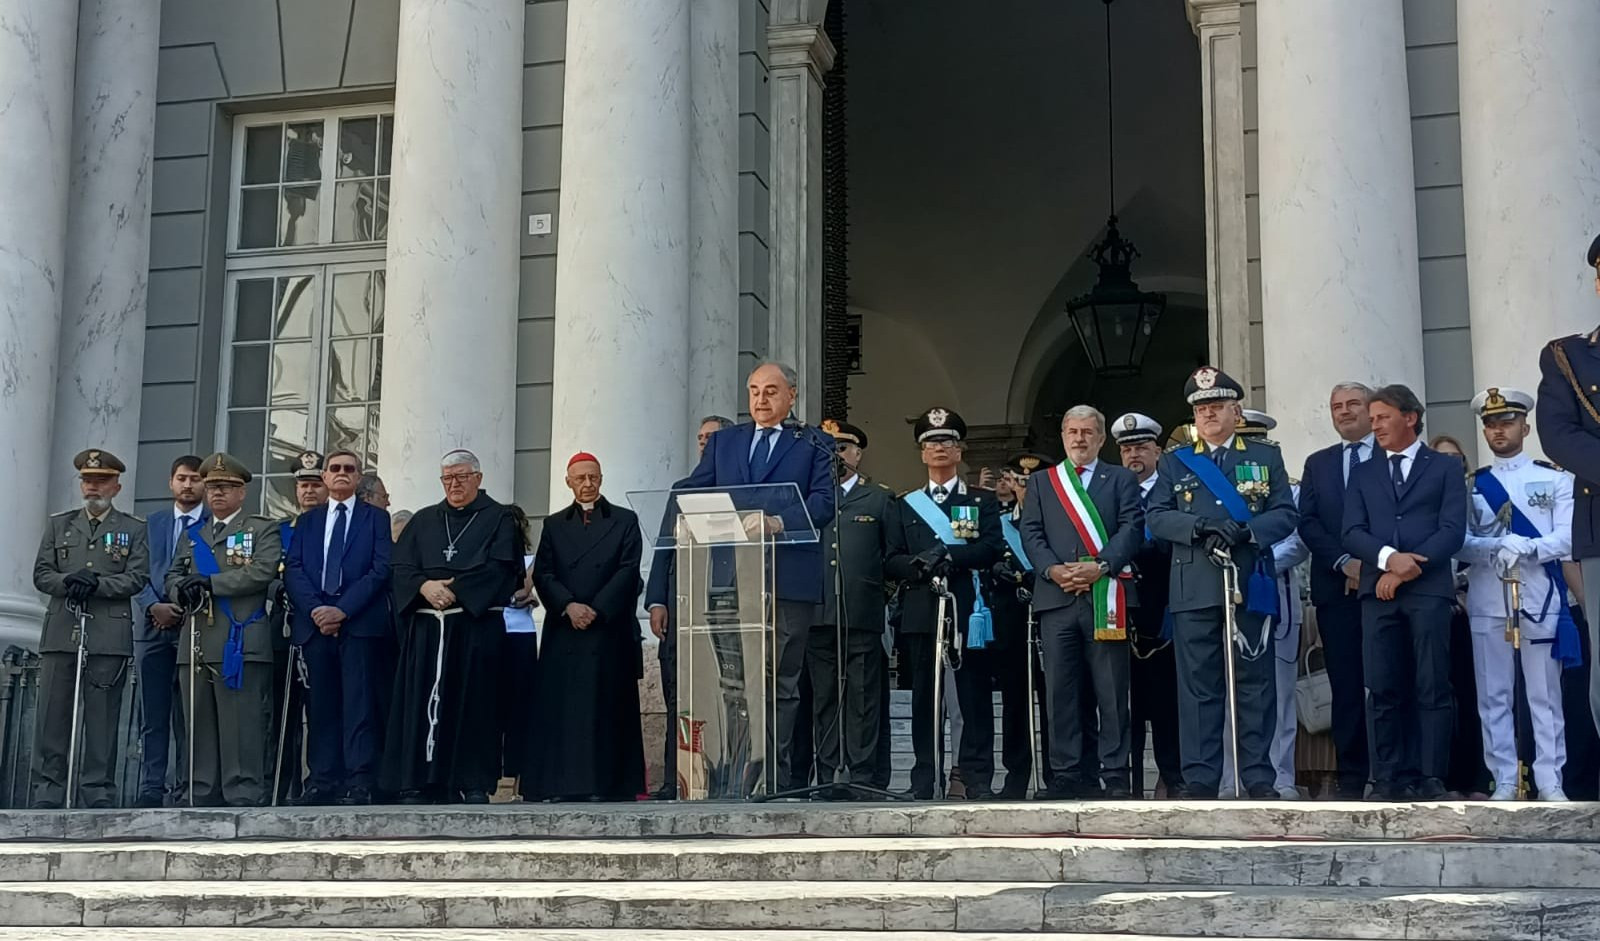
[337, 576]
[950, 532]
[1405, 516]
[1225, 497]
[1011, 581]
[155, 641]
[1081, 526]
[1336, 578]
[772, 450]
[865, 531]
[1153, 676]
[1568, 418]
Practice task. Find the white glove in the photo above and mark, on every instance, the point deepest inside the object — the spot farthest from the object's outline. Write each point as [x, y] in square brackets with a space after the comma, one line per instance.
[1516, 545]
[1506, 560]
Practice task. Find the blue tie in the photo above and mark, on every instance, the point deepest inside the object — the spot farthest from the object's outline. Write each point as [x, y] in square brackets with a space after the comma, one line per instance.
[1399, 477]
[1352, 457]
[761, 456]
[334, 555]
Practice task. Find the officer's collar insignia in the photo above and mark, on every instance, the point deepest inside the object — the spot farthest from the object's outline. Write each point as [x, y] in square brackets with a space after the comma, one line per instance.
[1205, 377]
[937, 417]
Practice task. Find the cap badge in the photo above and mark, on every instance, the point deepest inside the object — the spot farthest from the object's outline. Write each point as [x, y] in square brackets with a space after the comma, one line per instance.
[1130, 423]
[1029, 463]
[830, 426]
[1205, 377]
[93, 460]
[1494, 399]
[308, 460]
[937, 417]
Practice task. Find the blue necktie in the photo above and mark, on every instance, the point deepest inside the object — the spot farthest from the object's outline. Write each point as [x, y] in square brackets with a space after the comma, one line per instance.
[335, 554]
[1352, 457]
[761, 456]
[1399, 478]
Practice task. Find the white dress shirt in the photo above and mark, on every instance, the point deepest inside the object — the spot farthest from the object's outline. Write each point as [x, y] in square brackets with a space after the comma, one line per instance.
[772, 440]
[182, 519]
[1407, 462]
[847, 483]
[951, 487]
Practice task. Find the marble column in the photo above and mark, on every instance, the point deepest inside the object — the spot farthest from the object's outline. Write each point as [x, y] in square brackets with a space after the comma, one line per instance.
[1216, 24]
[799, 55]
[622, 269]
[714, 382]
[1530, 130]
[450, 334]
[100, 363]
[1340, 295]
[37, 49]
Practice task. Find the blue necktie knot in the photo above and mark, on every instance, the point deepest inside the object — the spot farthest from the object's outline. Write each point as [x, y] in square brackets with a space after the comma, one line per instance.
[335, 555]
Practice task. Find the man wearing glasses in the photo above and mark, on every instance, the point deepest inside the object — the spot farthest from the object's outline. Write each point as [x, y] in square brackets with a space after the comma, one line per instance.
[221, 575]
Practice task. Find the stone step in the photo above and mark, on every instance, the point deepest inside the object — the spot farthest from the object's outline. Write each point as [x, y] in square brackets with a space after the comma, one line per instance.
[1232, 863]
[1188, 819]
[1380, 914]
[543, 934]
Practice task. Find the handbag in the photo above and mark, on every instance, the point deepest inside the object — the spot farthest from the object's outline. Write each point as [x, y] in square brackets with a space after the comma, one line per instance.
[1313, 694]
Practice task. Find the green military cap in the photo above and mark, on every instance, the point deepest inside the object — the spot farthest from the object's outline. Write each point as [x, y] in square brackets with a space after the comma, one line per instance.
[97, 462]
[223, 467]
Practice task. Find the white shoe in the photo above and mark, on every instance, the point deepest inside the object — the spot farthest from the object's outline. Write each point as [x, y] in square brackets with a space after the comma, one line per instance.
[1554, 795]
[1289, 793]
[1504, 792]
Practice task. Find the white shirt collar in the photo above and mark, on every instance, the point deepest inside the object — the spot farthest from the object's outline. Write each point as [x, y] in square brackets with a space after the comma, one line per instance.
[228, 520]
[587, 507]
[849, 482]
[1515, 462]
[1410, 453]
[349, 504]
[956, 485]
[1090, 467]
[179, 512]
[1224, 446]
[1148, 483]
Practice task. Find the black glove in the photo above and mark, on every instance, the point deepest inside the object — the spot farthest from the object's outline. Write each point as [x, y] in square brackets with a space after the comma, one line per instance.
[931, 562]
[80, 585]
[1006, 570]
[1235, 532]
[192, 590]
[1215, 544]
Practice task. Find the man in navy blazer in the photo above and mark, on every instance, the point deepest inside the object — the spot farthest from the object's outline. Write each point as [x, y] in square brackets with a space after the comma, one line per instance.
[155, 638]
[771, 450]
[1405, 516]
[1336, 578]
[336, 573]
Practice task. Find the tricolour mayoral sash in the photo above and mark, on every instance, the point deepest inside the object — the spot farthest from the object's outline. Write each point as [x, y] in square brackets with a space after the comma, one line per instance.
[1110, 596]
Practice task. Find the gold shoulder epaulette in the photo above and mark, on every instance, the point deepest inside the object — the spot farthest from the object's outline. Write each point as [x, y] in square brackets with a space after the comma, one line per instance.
[1550, 464]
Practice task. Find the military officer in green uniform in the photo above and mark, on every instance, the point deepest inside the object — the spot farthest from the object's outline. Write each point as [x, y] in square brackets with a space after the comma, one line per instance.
[92, 559]
[222, 580]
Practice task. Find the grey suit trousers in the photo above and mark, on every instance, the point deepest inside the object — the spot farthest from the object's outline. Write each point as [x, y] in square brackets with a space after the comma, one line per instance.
[1070, 652]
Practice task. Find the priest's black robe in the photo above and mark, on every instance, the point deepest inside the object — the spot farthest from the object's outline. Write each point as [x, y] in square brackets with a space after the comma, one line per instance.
[486, 563]
[587, 721]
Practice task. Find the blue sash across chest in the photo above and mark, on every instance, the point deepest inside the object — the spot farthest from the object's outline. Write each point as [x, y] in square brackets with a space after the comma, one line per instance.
[205, 562]
[1567, 647]
[1261, 591]
[980, 624]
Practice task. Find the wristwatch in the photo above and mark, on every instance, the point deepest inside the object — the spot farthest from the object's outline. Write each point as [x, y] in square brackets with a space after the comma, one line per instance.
[1105, 567]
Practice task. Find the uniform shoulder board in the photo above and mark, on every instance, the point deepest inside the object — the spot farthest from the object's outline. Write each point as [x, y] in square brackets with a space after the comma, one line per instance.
[63, 514]
[1549, 464]
[1268, 442]
[261, 518]
[884, 487]
[136, 518]
[907, 492]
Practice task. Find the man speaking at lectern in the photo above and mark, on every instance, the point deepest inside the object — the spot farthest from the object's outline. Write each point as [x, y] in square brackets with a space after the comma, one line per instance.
[771, 450]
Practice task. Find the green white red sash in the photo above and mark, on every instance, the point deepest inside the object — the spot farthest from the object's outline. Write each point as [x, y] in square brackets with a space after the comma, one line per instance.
[1110, 598]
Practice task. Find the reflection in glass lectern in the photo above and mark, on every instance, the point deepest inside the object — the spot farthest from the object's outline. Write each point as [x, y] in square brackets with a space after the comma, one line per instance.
[719, 544]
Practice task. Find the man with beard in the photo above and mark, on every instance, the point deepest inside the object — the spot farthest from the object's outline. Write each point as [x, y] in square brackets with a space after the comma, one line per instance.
[222, 575]
[1153, 678]
[586, 573]
[91, 560]
[457, 565]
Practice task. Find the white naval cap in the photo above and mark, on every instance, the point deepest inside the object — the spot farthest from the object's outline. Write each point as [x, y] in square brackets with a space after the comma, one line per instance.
[1254, 422]
[1496, 400]
[1134, 428]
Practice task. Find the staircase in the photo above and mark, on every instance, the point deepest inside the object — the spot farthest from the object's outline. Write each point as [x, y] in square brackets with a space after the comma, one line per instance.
[807, 872]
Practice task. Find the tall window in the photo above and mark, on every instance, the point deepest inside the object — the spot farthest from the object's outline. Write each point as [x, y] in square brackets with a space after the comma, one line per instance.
[305, 296]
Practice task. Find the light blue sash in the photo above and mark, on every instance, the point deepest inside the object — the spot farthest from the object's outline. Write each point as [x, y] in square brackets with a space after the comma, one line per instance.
[980, 624]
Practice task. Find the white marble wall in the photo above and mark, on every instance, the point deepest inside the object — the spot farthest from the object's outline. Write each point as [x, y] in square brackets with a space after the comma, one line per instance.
[713, 210]
[622, 269]
[101, 353]
[450, 331]
[1340, 293]
[36, 65]
[1530, 162]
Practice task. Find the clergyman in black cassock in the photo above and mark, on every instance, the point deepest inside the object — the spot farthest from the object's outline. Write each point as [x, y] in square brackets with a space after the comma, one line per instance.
[461, 557]
[586, 572]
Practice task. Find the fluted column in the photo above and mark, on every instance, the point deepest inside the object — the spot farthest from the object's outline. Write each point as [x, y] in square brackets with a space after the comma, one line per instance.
[101, 356]
[1339, 282]
[36, 65]
[450, 334]
[622, 270]
[1530, 166]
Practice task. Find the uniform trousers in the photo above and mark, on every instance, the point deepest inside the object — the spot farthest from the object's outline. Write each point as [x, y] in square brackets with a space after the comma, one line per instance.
[1285, 722]
[161, 728]
[344, 728]
[230, 729]
[1018, 715]
[1339, 626]
[1407, 657]
[863, 673]
[1153, 699]
[1202, 701]
[1495, 670]
[1072, 657]
[975, 686]
[100, 724]
[918, 666]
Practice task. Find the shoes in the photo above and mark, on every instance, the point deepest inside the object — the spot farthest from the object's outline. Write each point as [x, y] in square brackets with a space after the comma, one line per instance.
[1195, 792]
[1288, 793]
[1430, 789]
[915, 794]
[1117, 791]
[46, 805]
[356, 796]
[1262, 792]
[1016, 788]
[104, 803]
[474, 797]
[1391, 792]
[148, 800]
[958, 788]
[412, 797]
[1554, 795]
[315, 797]
[665, 792]
[1350, 792]
[1504, 792]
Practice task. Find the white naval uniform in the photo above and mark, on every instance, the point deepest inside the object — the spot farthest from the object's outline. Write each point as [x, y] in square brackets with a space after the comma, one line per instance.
[1544, 495]
[1287, 554]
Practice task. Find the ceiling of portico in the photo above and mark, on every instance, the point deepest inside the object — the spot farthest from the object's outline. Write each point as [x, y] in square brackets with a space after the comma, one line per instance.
[977, 161]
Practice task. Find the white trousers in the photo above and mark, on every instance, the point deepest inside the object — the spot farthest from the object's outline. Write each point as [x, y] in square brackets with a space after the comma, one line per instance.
[1286, 650]
[1495, 670]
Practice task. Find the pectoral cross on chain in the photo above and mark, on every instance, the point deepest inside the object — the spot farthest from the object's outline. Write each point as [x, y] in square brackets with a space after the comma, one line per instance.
[449, 553]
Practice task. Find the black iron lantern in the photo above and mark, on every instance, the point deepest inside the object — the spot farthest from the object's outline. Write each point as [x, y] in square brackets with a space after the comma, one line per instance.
[1115, 320]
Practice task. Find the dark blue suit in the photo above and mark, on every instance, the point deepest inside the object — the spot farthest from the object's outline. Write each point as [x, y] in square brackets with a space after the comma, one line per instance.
[156, 655]
[1322, 490]
[802, 456]
[1407, 640]
[348, 672]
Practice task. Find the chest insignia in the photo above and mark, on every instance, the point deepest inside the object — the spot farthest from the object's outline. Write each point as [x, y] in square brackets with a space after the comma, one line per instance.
[964, 522]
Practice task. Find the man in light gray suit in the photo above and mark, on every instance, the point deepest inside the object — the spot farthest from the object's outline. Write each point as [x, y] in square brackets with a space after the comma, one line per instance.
[1081, 526]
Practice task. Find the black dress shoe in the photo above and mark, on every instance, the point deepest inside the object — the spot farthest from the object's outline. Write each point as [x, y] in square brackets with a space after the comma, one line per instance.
[1013, 792]
[1391, 792]
[412, 796]
[1117, 791]
[1350, 792]
[104, 803]
[1430, 789]
[148, 800]
[357, 796]
[1194, 792]
[474, 797]
[1262, 792]
[46, 805]
[315, 797]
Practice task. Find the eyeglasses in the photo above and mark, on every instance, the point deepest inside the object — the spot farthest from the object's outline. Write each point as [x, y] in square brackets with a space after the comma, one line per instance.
[342, 468]
[448, 479]
[940, 443]
[222, 485]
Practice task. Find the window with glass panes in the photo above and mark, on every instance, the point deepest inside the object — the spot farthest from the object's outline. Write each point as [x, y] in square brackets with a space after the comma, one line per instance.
[305, 292]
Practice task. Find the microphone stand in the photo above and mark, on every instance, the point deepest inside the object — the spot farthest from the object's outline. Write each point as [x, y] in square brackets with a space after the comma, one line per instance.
[842, 783]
